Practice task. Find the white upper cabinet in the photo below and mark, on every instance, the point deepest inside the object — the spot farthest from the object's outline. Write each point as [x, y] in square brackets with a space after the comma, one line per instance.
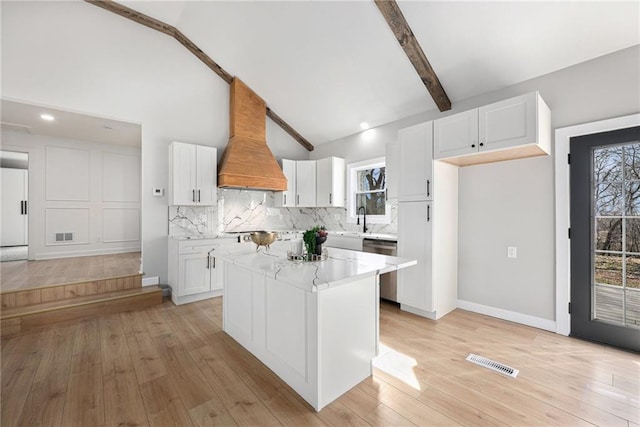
[515, 128]
[392, 170]
[416, 158]
[330, 182]
[287, 199]
[313, 183]
[206, 175]
[306, 183]
[192, 175]
[456, 135]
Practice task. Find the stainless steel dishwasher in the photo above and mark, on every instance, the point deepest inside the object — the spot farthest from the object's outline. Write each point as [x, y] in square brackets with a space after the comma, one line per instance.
[388, 281]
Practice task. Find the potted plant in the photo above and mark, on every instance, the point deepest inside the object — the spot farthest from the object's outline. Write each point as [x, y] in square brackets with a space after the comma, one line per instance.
[314, 238]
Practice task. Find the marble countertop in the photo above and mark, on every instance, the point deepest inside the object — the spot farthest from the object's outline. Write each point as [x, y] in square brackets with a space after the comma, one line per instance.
[341, 267]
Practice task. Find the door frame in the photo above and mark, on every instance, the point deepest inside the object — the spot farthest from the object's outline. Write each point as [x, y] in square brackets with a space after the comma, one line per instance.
[562, 201]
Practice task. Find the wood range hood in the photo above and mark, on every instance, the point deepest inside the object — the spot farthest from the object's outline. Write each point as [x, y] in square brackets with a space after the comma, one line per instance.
[247, 161]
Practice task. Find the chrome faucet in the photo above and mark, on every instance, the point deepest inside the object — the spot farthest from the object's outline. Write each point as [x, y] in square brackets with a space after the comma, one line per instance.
[364, 225]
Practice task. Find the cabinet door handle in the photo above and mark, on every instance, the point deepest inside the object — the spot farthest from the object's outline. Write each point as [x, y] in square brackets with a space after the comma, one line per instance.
[214, 261]
[428, 213]
[26, 209]
[297, 199]
[198, 196]
[473, 145]
[329, 198]
[21, 207]
[285, 199]
[193, 196]
[428, 188]
[482, 144]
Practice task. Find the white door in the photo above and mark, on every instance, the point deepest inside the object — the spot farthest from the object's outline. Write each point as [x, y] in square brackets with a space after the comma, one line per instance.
[416, 162]
[508, 123]
[183, 174]
[207, 175]
[415, 221]
[195, 271]
[455, 135]
[14, 218]
[306, 183]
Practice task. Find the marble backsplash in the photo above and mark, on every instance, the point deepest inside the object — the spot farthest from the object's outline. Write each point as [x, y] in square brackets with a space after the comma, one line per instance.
[243, 210]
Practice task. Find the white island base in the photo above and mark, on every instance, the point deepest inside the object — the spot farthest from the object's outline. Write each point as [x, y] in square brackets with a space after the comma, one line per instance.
[320, 343]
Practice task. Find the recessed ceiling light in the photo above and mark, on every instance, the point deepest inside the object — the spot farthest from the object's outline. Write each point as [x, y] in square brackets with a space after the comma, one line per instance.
[47, 117]
[364, 125]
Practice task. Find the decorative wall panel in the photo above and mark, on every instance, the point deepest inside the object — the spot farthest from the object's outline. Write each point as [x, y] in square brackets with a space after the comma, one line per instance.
[120, 178]
[120, 225]
[66, 220]
[67, 174]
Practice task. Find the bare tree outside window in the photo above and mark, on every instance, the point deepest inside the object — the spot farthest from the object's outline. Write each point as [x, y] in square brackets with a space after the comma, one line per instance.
[371, 190]
[616, 225]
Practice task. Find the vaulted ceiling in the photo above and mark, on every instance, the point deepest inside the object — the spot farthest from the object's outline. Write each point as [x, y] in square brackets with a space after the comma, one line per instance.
[327, 66]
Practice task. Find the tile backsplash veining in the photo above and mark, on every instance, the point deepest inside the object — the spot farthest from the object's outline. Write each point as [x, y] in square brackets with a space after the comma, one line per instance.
[244, 210]
[192, 221]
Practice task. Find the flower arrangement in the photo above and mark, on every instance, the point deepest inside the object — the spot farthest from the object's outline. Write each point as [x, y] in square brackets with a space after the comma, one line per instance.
[314, 238]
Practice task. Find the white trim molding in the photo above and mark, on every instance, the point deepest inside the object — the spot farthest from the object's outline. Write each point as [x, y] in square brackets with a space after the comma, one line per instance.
[512, 316]
[563, 247]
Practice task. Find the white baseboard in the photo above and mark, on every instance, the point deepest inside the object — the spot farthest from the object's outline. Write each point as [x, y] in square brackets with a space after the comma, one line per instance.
[512, 316]
[150, 281]
[419, 312]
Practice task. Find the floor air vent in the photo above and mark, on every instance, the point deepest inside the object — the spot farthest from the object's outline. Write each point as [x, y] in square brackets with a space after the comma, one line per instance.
[495, 366]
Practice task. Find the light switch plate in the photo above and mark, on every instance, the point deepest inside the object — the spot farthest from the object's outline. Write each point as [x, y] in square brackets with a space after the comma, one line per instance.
[158, 192]
[512, 252]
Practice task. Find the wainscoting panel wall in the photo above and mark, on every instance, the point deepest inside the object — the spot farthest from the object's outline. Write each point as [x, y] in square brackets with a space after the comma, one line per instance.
[120, 177]
[85, 196]
[67, 174]
[72, 223]
[120, 225]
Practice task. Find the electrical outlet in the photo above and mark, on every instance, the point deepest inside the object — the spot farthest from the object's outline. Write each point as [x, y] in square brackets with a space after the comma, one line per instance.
[512, 252]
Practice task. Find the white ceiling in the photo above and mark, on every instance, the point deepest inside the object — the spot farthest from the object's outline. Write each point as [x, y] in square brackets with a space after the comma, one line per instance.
[326, 66]
[21, 117]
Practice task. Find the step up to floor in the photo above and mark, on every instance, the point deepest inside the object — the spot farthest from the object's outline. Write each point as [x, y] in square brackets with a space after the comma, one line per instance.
[23, 319]
[51, 293]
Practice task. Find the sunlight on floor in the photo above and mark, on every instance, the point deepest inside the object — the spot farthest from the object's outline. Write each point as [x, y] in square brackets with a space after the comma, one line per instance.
[398, 365]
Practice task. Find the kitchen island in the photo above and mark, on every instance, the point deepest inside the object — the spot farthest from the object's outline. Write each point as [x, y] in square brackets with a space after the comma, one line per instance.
[315, 324]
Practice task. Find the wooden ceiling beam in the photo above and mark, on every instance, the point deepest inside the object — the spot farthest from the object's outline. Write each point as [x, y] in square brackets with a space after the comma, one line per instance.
[401, 30]
[172, 31]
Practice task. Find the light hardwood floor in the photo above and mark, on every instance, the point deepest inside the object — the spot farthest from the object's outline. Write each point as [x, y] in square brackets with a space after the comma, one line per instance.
[174, 366]
[35, 274]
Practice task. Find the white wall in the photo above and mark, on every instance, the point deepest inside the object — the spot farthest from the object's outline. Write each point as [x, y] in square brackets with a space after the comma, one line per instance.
[78, 57]
[512, 203]
[91, 190]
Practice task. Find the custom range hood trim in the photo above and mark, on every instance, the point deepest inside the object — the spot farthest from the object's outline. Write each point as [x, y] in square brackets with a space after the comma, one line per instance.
[247, 161]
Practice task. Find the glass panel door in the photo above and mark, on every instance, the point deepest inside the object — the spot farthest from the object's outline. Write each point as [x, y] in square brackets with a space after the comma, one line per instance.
[605, 237]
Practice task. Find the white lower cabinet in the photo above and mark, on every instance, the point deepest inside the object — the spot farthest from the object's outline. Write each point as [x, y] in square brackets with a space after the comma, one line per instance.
[194, 273]
[428, 232]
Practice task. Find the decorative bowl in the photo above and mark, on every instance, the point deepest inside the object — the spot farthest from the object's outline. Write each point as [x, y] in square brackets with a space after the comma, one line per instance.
[263, 238]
